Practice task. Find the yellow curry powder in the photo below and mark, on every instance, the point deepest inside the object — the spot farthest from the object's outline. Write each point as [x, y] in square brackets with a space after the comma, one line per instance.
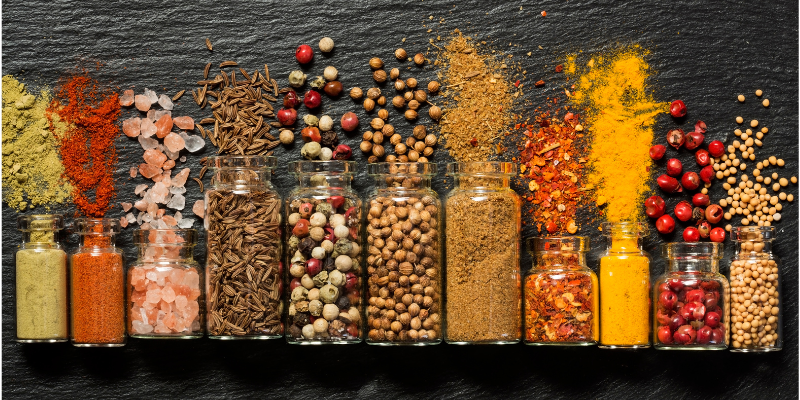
[624, 295]
[619, 111]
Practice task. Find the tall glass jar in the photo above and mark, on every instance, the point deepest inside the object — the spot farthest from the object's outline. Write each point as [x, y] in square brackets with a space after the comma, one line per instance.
[756, 310]
[42, 312]
[691, 299]
[98, 285]
[624, 287]
[164, 293]
[243, 268]
[404, 292]
[324, 255]
[561, 305]
[483, 222]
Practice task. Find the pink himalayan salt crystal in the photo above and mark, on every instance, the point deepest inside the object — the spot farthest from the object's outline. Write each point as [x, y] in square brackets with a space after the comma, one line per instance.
[165, 306]
[133, 172]
[181, 177]
[185, 123]
[180, 325]
[154, 157]
[141, 327]
[165, 179]
[176, 276]
[158, 178]
[159, 192]
[163, 126]
[123, 222]
[168, 294]
[148, 128]
[169, 221]
[153, 295]
[169, 164]
[127, 98]
[145, 225]
[181, 302]
[174, 142]
[140, 205]
[152, 208]
[138, 296]
[132, 127]
[137, 276]
[193, 294]
[161, 328]
[142, 102]
[160, 213]
[169, 321]
[140, 189]
[191, 279]
[148, 171]
[126, 206]
[151, 115]
[199, 208]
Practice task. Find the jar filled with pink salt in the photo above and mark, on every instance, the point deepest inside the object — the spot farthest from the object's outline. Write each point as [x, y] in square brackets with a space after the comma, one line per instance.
[165, 297]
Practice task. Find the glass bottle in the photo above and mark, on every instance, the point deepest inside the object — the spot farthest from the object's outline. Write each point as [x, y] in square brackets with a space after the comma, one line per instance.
[164, 293]
[404, 294]
[482, 276]
[561, 305]
[624, 287]
[98, 285]
[243, 268]
[42, 312]
[324, 255]
[691, 299]
[756, 310]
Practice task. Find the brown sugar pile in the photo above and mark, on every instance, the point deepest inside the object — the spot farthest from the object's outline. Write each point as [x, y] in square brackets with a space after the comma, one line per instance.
[477, 98]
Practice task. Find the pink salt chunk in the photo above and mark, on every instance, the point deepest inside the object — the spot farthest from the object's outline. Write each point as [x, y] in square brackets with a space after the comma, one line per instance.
[163, 126]
[148, 128]
[123, 222]
[154, 157]
[127, 98]
[181, 302]
[174, 142]
[153, 295]
[169, 164]
[134, 171]
[168, 294]
[169, 221]
[132, 127]
[152, 208]
[125, 206]
[142, 102]
[199, 208]
[181, 177]
[149, 171]
[176, 276]
[160, 212]
[185, 123]
[169, 321]
[140, 205]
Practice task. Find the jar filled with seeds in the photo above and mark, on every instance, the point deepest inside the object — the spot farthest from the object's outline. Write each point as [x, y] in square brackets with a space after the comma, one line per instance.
[165, 298]
[97, 285]
[404, 287]
[691, 299]
[756, 309]
[42, 312]
[323, 252]
[243, 268]
[482, 281]
[561, 294]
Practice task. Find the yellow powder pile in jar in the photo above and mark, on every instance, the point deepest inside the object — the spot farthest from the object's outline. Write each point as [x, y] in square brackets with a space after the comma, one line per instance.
[32, 170]
[477, 98]
[619, 113]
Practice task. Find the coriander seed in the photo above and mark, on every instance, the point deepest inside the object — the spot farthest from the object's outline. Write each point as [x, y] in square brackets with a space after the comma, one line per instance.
[356, 93]
[377, 137]
[373, 93]
[376, 123]
[388, 130]
[419, 59]
[376, 63]
[413, 104]
[408, 96]
[435, 113]
[400, 54]
[398, 101]
[399, 85]
[383, 114]
[433, 87]
[411, 115]
[394, 73]
[366, 146]
[420, 96]
[430, 140]
[420, 131]
[381, 101]
[378, 151]
[369, 104]
[400, 149]
[379, 76]
[396, 139]
[411, 83]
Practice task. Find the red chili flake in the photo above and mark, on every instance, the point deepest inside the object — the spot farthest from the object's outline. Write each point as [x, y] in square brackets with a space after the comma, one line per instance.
[473, 142]
[559, 307]
[539, 83]
[559, 68]
[516, 83]
[544, 13]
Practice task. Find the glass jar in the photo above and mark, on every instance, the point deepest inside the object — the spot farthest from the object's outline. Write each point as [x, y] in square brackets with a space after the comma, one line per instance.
[324, 254]
[243, 268]
[756, 311]
[164, 294]
[98, 285]
[691, 298]
[483, 222]
[404, 256]
[41, 281]
[561, 306]
[624, 287]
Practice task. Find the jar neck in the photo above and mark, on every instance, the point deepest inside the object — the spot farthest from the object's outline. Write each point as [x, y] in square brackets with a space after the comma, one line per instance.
[98, 241]
[166, 253]
[322, 180]
[483, 182]
[624, 244]
[745, 247]
[40, 238]
[402, 183]
[566, 260]
[693, 264]
[241, 178]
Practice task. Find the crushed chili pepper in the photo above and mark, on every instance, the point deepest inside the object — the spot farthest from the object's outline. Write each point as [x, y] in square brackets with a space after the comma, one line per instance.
[87, 150]
[560, 307]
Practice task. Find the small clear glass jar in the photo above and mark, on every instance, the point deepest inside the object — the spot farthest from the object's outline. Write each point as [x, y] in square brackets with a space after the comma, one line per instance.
[561, 305]
[691, 299]
[404, 286]
[243, 242]
[98, 285]
[324, 255]
[756, 309]
[41, 281]
[482, 275]
[624, 287]
[164, 292]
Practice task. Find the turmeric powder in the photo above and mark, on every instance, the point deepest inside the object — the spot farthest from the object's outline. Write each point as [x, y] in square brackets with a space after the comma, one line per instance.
[620, 113]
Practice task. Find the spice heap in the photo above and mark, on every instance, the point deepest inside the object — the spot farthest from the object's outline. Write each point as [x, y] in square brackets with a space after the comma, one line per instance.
[620, 112]
[478, 99]
[159, 160]
[32, 171]
[87, 141]
[552, 168]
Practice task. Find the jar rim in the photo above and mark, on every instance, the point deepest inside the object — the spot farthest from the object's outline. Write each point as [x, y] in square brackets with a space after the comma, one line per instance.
[238, 162]
[482, 168]
[40, 222]
[96, 226]
[426, 169]
[149, 237]
[753, 233]
[624, 229]
[559, 244]
[335, 167]
[693, 250]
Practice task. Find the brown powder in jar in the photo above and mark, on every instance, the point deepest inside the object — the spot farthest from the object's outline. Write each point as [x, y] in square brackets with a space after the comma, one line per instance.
[483, 283]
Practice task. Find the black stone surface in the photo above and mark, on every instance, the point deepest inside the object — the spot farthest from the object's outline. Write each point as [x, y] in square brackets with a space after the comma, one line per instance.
[704, 53]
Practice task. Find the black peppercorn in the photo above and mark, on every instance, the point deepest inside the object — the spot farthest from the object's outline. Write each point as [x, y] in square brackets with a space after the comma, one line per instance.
[343, 303]
[295, 331]
[330, 264]
[329, 139]
[301, 319]
[306, 245]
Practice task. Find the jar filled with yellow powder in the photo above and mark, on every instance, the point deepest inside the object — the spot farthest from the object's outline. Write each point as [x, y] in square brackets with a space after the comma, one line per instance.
[624, 287]
[41, 281]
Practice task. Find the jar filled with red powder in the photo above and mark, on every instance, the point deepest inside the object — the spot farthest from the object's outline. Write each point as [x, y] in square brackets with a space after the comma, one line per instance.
[98, 285]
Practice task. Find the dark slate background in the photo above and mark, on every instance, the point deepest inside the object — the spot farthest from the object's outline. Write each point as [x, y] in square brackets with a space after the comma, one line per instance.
[703, 53]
